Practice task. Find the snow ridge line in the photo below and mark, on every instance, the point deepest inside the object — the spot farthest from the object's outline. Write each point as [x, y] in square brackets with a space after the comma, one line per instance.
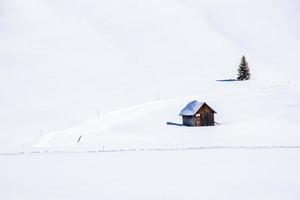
[157, 149]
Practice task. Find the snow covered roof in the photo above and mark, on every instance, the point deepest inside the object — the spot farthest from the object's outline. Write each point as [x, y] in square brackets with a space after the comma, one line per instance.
[191, 108]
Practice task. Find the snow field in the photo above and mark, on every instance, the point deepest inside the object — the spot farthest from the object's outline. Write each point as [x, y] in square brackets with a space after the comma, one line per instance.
[211, 174]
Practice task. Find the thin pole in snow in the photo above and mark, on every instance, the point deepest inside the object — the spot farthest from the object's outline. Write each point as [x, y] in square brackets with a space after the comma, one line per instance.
[158, 97]
[79, 139]
[98, 112]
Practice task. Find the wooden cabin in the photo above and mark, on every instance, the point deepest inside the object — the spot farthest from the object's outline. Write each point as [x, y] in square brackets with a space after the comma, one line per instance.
[198, 113]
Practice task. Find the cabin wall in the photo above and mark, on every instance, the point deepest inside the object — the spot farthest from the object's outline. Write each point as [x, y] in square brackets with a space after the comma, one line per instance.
[188, 120]
[209, 119]
[205, 117]
[212, 119]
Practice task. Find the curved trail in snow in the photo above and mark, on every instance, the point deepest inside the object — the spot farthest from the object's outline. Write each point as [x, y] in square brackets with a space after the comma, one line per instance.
[241, 147]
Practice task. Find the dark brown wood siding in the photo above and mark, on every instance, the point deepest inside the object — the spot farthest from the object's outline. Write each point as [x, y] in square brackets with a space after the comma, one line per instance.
[206, 116]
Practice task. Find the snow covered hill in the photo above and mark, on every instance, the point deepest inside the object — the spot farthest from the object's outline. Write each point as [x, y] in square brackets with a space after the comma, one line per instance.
[63, 60]
[249, 113]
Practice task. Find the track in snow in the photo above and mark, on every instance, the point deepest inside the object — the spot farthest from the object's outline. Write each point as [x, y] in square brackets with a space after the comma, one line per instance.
[159, 149]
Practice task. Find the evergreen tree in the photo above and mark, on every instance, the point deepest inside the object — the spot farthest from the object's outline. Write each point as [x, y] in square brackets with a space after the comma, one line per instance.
[243, 71]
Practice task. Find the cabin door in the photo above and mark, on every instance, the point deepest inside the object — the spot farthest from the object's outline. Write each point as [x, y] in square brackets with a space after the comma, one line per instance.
[197, 120]
[204, 120]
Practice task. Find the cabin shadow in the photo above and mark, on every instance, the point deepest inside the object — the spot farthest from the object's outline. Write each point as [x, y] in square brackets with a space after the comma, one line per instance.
[174, 124]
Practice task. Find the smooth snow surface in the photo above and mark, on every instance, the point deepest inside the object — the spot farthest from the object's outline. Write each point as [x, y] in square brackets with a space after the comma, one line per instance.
[205, 174]
[63, 60]
[91, 91]
[248, 113]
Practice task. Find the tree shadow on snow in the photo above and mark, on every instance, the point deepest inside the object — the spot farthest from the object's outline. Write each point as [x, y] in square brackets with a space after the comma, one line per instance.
[227, 80]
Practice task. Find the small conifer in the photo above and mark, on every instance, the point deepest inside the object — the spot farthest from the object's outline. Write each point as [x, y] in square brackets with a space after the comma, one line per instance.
[243, 71]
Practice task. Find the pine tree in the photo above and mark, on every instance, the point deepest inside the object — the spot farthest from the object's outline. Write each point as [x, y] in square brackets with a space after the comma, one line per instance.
[243, 71]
